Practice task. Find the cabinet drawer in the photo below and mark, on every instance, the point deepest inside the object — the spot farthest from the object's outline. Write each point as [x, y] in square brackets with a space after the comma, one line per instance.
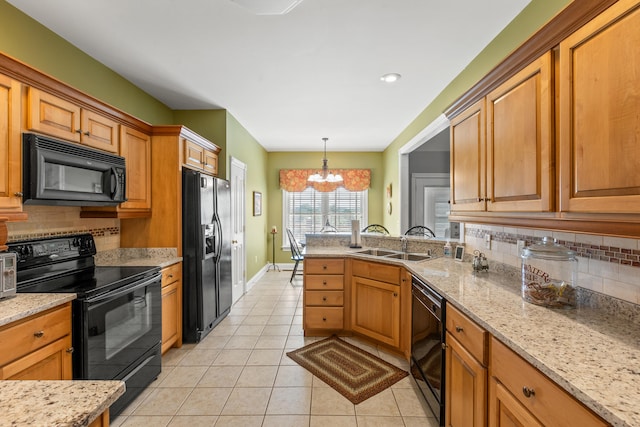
[324, 266]
[468, 333]
[550, 403]
[323, 282]
[171, 273]
[324, 318]
[24, 336]
[376, 271]
[328, 298]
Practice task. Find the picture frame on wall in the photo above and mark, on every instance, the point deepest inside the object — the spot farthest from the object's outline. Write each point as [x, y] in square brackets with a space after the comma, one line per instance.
[257, 203]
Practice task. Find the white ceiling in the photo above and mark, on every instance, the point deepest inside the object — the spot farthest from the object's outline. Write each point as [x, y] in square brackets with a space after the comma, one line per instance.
[288, 79]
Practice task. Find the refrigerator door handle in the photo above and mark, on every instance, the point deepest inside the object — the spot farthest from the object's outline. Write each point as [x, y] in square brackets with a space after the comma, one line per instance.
[218, 251]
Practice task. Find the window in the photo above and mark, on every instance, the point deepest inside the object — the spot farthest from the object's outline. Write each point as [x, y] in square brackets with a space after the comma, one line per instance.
[307, 211]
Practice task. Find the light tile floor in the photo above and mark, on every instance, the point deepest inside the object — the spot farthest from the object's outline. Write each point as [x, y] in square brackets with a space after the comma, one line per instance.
[240, 375]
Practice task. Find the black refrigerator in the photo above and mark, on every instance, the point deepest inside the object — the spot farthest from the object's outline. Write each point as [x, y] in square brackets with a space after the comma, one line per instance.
[206, 253]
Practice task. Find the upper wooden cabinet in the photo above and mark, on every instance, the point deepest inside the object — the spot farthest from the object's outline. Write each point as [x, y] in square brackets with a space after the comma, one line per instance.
[47, 113]
[200, 157]
[135, 147]
[520, 141]
[599, 120]
[10, 149]
[501, 146]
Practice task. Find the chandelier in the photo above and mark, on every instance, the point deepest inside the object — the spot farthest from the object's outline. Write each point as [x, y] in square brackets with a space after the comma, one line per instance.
[325, 175]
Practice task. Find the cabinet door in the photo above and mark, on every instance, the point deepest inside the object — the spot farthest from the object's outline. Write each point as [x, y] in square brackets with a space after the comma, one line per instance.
[466, 387]
[193, 154]
[468, 159]
[170, 313]
[376, 310]
[519, 141]
[599, 120]
[52, 362]
[506, 411]
[10, 146]
[99, 132]
[135, 147]
[210, 162]
[54, 116]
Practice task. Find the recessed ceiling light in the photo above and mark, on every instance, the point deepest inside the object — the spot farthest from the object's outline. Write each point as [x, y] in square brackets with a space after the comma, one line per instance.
[390, 77]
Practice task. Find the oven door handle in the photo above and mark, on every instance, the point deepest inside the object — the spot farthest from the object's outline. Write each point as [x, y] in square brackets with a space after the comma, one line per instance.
[123, 291]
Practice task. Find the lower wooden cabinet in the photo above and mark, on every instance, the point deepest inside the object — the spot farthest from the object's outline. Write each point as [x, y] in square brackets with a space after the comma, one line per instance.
[466, 371]
[520, 395]
[38, 347]
[375, 311]
[323, 296]
[171, 307]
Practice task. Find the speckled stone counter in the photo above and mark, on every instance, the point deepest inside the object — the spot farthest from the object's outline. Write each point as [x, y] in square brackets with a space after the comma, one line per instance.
[56, 403]
[593, 353]
[161, 257]
[24, 305]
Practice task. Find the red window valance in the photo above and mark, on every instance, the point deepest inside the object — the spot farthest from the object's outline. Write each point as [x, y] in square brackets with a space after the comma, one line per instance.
[296, 180]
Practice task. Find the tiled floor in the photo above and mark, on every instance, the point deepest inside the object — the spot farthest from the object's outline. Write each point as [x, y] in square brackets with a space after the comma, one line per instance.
[239, 375]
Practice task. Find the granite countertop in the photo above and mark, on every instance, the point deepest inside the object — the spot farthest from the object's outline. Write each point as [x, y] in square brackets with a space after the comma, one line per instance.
[56, 403]
[24, 305]
[161, 257]
[592, 353]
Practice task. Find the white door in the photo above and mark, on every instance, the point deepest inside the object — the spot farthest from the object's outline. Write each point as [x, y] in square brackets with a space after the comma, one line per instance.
[238, 253]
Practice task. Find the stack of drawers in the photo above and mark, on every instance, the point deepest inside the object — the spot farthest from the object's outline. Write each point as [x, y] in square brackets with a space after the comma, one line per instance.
[324, 294]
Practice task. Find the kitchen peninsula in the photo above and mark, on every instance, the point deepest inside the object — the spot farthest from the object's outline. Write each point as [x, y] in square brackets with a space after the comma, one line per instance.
[590, 352]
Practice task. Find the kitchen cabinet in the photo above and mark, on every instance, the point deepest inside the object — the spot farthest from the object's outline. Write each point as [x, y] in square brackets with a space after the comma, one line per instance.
[171, 307]
[135, 147]
[52, 115]
[10, 150]
[465, 371]
[38, 347]
[375, 296]
[167, 157]
[520, 395]
[598, 114]
[200, 158]
[324, 296]
[510, 168]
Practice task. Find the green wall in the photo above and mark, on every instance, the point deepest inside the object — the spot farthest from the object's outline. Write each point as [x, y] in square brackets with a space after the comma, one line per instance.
[338, 160]
[534, 16]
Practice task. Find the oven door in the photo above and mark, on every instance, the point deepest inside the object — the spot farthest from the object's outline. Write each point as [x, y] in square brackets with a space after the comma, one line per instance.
[427, 352]
[117, 329]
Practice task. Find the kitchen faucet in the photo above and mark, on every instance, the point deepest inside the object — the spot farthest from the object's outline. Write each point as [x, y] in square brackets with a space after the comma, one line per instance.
[403, 239]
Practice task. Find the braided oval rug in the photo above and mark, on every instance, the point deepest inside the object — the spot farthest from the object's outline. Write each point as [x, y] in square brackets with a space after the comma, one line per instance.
[353, 372]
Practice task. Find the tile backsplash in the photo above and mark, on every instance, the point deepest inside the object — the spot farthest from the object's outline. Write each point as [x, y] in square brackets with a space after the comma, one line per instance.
[51, 221]
[607, 265]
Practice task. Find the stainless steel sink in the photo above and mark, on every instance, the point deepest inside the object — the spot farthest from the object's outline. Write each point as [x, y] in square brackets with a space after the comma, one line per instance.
[409, 257]
[377, 252]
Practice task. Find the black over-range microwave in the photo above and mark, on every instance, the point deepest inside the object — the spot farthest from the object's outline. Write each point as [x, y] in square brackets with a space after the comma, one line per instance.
[56, 172]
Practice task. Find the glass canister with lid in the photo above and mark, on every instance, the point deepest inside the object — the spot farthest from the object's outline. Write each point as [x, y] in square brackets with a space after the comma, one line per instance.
[549, 274]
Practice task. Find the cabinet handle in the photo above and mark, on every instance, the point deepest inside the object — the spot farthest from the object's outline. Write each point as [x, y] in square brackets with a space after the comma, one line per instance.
[171, 276]
[70, 350]
[18, 194]
[324, 299]
[38, 334]
[459, 329]
[528, 392]
[324, 282]
[395, 294]
[86, 134]
[324, 319]
[324, 267]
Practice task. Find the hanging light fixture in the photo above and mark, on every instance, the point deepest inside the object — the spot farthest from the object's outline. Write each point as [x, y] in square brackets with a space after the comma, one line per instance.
[325, 175]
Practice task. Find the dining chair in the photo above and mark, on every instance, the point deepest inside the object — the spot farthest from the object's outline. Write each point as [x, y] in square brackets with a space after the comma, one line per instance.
[296, 253]
[375, 228]
[420, 230]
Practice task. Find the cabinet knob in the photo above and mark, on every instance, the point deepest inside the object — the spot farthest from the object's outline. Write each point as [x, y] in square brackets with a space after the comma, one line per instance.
[528, 392]
[324, 267]
[324, 282]
[324, 319]
[70, 350]
[459, 329]
[395, 294]
[170, 276]
[38, 334]
[324, 299]
[18, 194]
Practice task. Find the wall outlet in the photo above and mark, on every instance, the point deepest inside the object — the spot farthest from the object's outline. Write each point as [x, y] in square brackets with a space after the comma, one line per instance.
[487, 241]
[520, 246]
[256, 261]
